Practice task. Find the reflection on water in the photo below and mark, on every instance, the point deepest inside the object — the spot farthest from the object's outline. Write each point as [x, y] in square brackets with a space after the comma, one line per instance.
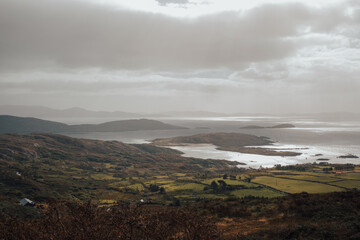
[209, 151]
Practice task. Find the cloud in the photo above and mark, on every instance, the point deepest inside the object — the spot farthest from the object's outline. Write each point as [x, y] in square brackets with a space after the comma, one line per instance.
[288, 55]
[71, 34]
[166, 2]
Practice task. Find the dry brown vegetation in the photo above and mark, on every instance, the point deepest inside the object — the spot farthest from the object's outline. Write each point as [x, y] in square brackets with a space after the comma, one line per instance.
[298, 216]
[65, 220]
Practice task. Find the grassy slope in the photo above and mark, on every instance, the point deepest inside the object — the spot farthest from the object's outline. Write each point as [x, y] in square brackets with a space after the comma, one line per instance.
[58, 167]
[55, 166]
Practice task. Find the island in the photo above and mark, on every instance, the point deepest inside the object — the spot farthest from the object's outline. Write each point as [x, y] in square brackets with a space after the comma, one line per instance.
[348, 156]
[235, 142]
[285, 125]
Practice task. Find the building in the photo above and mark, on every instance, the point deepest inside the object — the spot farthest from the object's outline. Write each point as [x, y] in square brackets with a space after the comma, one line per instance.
[27, 202]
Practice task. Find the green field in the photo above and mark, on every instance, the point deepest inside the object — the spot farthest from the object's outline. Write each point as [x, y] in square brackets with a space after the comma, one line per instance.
[295, 186]
[348, 184]
[188, 187]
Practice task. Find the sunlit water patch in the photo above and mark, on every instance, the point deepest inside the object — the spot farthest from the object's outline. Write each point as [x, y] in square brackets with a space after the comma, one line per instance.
[209, 151]
[309, 154]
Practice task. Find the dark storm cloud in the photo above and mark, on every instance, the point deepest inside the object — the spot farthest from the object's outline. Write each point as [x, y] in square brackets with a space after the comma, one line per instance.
[47, 34]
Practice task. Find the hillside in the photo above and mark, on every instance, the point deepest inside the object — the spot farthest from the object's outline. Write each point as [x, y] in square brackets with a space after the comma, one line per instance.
[236, 142]
[55, 166]
[61, 174]
[12, 124]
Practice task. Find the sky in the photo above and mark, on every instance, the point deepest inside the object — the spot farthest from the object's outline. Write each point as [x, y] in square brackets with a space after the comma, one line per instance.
[150, 56]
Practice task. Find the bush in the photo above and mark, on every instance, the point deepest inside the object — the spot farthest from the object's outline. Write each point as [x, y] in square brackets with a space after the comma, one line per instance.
[64, 220]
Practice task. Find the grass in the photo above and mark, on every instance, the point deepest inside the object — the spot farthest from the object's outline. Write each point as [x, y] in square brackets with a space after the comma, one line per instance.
[295, 186]
[309, 177]
[348, 184]
[200, 196]
[160, 182]
[262, 192]
[355, 176]
[137, 187]
[102, 176]
[184, 187]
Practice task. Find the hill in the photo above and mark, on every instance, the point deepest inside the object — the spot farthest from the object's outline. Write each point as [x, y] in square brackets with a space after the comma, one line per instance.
[75, 112]
[286, 125]
[218, 139]
[236, 142]
[49, 166]
[12, 124]
[124, 125]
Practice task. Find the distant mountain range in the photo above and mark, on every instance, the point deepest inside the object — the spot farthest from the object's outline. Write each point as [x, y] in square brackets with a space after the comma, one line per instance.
[76, 112]
[45, 112]
[12, 124]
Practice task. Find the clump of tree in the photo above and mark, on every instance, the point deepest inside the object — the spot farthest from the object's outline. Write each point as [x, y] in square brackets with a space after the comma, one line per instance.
[329, 169]
[232, 177]
[346, 167]
[299, 168]
[156, 188]
[219, 187]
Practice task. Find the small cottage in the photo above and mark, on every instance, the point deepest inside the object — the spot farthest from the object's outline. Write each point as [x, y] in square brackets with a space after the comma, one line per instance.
[27, 202]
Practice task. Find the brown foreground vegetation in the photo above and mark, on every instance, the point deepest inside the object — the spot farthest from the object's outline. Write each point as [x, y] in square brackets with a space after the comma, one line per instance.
[65, 220]
[297, 216]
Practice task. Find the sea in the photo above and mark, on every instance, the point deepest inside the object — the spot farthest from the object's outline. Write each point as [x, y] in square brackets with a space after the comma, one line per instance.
[314, 138]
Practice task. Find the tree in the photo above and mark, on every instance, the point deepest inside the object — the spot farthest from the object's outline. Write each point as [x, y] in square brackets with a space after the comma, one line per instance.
[214, 185]
[153, 188]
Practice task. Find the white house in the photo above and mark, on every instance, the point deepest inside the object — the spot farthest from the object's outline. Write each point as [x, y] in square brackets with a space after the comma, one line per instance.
[27, 202]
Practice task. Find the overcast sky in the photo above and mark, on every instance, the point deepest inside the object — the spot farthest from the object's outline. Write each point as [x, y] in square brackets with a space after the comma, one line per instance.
[272, 56]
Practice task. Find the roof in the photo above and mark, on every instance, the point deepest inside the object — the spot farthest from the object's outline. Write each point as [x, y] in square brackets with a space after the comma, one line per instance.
[26, 201]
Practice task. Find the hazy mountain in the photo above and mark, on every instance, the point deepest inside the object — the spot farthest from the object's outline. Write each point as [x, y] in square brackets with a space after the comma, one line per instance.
[285, 125]
[195, 114]
[45, 112]
[12, 124]
[123, 125]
